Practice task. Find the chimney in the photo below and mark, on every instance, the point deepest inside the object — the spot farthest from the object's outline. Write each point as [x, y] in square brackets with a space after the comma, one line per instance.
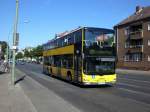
[138, 9]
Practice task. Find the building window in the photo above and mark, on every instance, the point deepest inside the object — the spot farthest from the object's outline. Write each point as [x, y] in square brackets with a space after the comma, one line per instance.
[136, 57]
[148, 42]
[126, 58]
[127, 45]
[126, 31]
[148, 58]
[148, 26]
[133, 57]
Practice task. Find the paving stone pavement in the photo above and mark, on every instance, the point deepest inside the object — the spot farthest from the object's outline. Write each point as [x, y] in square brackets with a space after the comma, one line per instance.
[12, 98]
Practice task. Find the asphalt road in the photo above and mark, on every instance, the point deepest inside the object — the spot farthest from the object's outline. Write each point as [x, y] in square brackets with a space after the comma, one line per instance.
[130, 94]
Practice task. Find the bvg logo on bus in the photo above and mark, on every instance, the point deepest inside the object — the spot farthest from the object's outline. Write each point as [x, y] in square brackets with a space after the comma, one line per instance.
[93, 76]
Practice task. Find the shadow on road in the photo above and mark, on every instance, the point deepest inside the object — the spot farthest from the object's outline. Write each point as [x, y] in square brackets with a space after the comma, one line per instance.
[80, 85]
[2, 73]
[20, 79]
[97, 86]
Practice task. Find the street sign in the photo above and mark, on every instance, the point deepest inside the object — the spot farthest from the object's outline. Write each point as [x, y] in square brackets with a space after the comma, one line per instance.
[16, 39]
[14, 47]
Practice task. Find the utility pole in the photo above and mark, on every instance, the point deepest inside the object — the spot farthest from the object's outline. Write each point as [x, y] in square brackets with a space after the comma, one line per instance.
[14, 42]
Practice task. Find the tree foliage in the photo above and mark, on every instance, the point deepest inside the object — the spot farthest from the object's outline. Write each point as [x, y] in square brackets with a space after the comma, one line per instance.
[19, 55]
[38, 51]
[3, 49]
[35, 52]
[26, 53]
[4, 46]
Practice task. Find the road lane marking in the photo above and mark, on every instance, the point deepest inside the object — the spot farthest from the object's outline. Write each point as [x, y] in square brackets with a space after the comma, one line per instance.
[40, 75]
[43, 76]
[135, 80]
[135, 86]
[135, 92]
[138, 73]
[129, 85]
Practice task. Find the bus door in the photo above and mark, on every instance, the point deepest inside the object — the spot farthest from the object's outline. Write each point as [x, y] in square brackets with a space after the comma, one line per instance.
[76, 67]
[59, 71]
[59, 67]
[77, 62]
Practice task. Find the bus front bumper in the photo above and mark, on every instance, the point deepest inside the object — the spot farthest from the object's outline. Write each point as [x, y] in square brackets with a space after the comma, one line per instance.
[99, 83]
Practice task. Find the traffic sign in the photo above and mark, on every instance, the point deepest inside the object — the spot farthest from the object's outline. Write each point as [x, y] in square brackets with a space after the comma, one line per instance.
[16, 39]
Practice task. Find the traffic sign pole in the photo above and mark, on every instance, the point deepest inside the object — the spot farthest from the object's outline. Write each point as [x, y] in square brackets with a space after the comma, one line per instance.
[14, 43]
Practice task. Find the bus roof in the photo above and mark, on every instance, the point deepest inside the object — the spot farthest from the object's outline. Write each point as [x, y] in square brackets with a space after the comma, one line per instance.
[94, 28]
[79, 28]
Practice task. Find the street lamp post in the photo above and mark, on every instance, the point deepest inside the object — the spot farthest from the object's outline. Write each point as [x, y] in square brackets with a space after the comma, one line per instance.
[14, 42]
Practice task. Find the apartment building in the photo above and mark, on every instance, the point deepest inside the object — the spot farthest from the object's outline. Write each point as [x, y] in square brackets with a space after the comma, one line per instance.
[133, 40]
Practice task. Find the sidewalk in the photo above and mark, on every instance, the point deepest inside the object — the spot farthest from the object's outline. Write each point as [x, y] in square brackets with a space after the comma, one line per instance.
[43, 98]
[137, 72]
[12, 98]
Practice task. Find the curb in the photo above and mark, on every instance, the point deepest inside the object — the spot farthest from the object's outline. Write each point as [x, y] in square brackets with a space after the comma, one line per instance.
[18, 86]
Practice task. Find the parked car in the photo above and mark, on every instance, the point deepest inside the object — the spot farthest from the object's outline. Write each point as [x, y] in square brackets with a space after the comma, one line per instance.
[21, 62]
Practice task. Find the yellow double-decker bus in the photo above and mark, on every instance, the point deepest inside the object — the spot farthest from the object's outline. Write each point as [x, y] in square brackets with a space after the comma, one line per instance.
[85, 56]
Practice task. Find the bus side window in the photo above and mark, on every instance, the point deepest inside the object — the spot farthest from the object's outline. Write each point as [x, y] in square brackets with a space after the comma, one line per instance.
[78, 36]
[64, 62]
[57, 61]
[65, 41]
[71, 39]
[54, 61]
[50, 60]
[46, 61]
[60, 42]
[70, 62]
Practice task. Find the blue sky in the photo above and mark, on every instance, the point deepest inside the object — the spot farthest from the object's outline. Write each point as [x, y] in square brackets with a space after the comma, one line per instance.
[39, 20]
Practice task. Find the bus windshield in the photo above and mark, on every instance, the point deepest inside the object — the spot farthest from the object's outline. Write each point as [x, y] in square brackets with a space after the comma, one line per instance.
[99, 66]
[99, 42]
[99, 52]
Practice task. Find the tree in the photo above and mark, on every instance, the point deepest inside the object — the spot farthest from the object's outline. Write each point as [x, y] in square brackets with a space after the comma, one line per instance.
[110, 40]
[4, 47]
[39, 51]
[26, 53]
[19, 55]
[36, 52]
[32, 53]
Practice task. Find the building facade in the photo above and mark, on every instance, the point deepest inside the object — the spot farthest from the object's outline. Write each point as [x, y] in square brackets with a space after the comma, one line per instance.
[133, 40]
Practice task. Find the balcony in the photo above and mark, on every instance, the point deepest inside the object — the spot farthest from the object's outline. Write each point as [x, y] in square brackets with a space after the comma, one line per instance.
[134, 48]
[136, 34]
[134, 57]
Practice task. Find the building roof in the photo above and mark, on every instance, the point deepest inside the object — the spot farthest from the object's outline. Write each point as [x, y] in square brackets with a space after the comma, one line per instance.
[143, 13]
